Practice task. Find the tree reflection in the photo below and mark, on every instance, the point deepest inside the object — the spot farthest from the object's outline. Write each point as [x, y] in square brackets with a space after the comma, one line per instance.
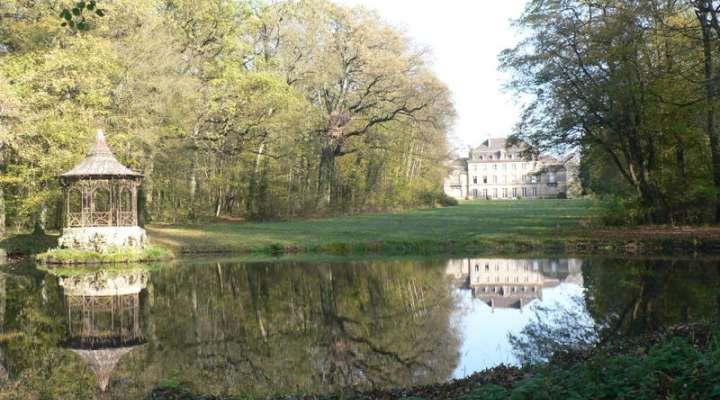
[32, 328]
[624, 298]
[634, 297]
[279, 328]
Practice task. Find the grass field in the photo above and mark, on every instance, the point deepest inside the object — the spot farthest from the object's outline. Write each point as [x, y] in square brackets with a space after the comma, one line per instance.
[473, 226]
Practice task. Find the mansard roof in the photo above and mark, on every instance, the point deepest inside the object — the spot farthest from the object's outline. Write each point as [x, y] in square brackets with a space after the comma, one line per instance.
[100, 162]
[497, 143]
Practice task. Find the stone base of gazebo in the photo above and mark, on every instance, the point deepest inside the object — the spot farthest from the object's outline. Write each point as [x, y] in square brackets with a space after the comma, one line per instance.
[104, 239]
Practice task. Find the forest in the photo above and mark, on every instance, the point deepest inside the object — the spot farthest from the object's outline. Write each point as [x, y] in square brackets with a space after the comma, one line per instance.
[243, 109]
[633, 85]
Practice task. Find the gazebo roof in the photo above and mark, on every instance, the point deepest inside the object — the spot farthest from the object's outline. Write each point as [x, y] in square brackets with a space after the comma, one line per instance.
[100, 162]
[103, 362]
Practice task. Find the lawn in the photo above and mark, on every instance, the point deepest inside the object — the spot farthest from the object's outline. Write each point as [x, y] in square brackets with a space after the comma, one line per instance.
[471, 226]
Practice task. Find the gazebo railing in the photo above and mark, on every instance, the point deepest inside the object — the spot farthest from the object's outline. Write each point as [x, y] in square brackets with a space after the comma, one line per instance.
[100, 218]
[126, 218]
[75, 219]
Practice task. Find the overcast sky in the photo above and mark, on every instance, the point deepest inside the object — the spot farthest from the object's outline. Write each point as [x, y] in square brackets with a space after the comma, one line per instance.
[466, 37]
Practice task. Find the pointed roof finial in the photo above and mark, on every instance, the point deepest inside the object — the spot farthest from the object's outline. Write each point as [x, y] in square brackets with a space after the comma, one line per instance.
[100, 161]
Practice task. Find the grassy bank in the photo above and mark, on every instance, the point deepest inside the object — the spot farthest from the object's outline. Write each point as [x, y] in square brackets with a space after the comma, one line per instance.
[484, 227]
[71, 256]
[472, 227]
[682, 363]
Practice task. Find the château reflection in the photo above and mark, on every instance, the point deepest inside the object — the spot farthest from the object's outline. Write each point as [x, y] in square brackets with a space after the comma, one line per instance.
[512, 283]
[103, 318]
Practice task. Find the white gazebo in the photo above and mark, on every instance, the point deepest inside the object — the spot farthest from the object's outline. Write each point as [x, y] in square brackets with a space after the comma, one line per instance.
[101, 203]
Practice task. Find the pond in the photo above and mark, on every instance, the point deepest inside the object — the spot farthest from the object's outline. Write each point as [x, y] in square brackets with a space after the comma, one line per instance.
[264, 328]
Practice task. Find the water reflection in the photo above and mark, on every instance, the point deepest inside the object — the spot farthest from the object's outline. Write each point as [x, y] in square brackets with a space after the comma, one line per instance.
[233, 328]
[512, 283]
[494, 295]
[103, 318]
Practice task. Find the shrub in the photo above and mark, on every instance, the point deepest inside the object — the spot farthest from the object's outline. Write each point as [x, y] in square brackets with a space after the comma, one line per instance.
[433, 199]
[447, 201]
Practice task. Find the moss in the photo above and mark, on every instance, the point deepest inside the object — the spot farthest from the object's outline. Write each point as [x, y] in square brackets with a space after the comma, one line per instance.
[71, 256]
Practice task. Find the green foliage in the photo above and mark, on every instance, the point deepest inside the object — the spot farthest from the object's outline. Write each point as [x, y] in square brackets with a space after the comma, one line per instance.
[224, 115]
[599, 77]
[74, 18]
[673, 369]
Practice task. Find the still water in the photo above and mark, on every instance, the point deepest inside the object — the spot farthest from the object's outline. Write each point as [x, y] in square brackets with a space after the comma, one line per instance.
[225, 327]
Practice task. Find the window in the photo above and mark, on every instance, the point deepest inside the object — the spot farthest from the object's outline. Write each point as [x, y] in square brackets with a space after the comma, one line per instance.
[551, 177]
[514, 192]
[75, 201]
[101, 200]
[534, 179]
[475, 193]
[485, 179]
[495, 193]
[494, 166]
[475, 179]
[524, 192]
[535, 192]
[125, 200]
[477, 268]
[495, 180]
[487, 267]
[504, 193]
[484, 193]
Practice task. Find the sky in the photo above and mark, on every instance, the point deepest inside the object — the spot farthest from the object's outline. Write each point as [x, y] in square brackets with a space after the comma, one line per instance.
[465, 37]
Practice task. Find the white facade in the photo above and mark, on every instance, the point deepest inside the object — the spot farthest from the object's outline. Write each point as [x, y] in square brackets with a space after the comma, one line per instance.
[495, 170]
[512, 283]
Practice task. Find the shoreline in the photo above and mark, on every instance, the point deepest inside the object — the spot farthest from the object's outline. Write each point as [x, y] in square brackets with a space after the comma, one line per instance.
[473, 228]
[658, 246]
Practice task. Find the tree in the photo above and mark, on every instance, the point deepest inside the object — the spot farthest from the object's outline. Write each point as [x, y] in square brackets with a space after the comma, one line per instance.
[610, 76]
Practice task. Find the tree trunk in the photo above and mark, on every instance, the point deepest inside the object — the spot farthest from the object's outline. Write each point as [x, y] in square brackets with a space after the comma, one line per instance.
[41, 220]
[2, 212]
[703, 14]
[326, 177]
[193, 188]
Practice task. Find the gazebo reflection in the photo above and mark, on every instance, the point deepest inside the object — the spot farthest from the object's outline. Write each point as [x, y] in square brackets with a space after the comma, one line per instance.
[103, 318]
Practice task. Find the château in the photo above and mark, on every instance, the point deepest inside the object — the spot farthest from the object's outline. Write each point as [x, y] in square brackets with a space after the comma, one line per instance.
[498, 170]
